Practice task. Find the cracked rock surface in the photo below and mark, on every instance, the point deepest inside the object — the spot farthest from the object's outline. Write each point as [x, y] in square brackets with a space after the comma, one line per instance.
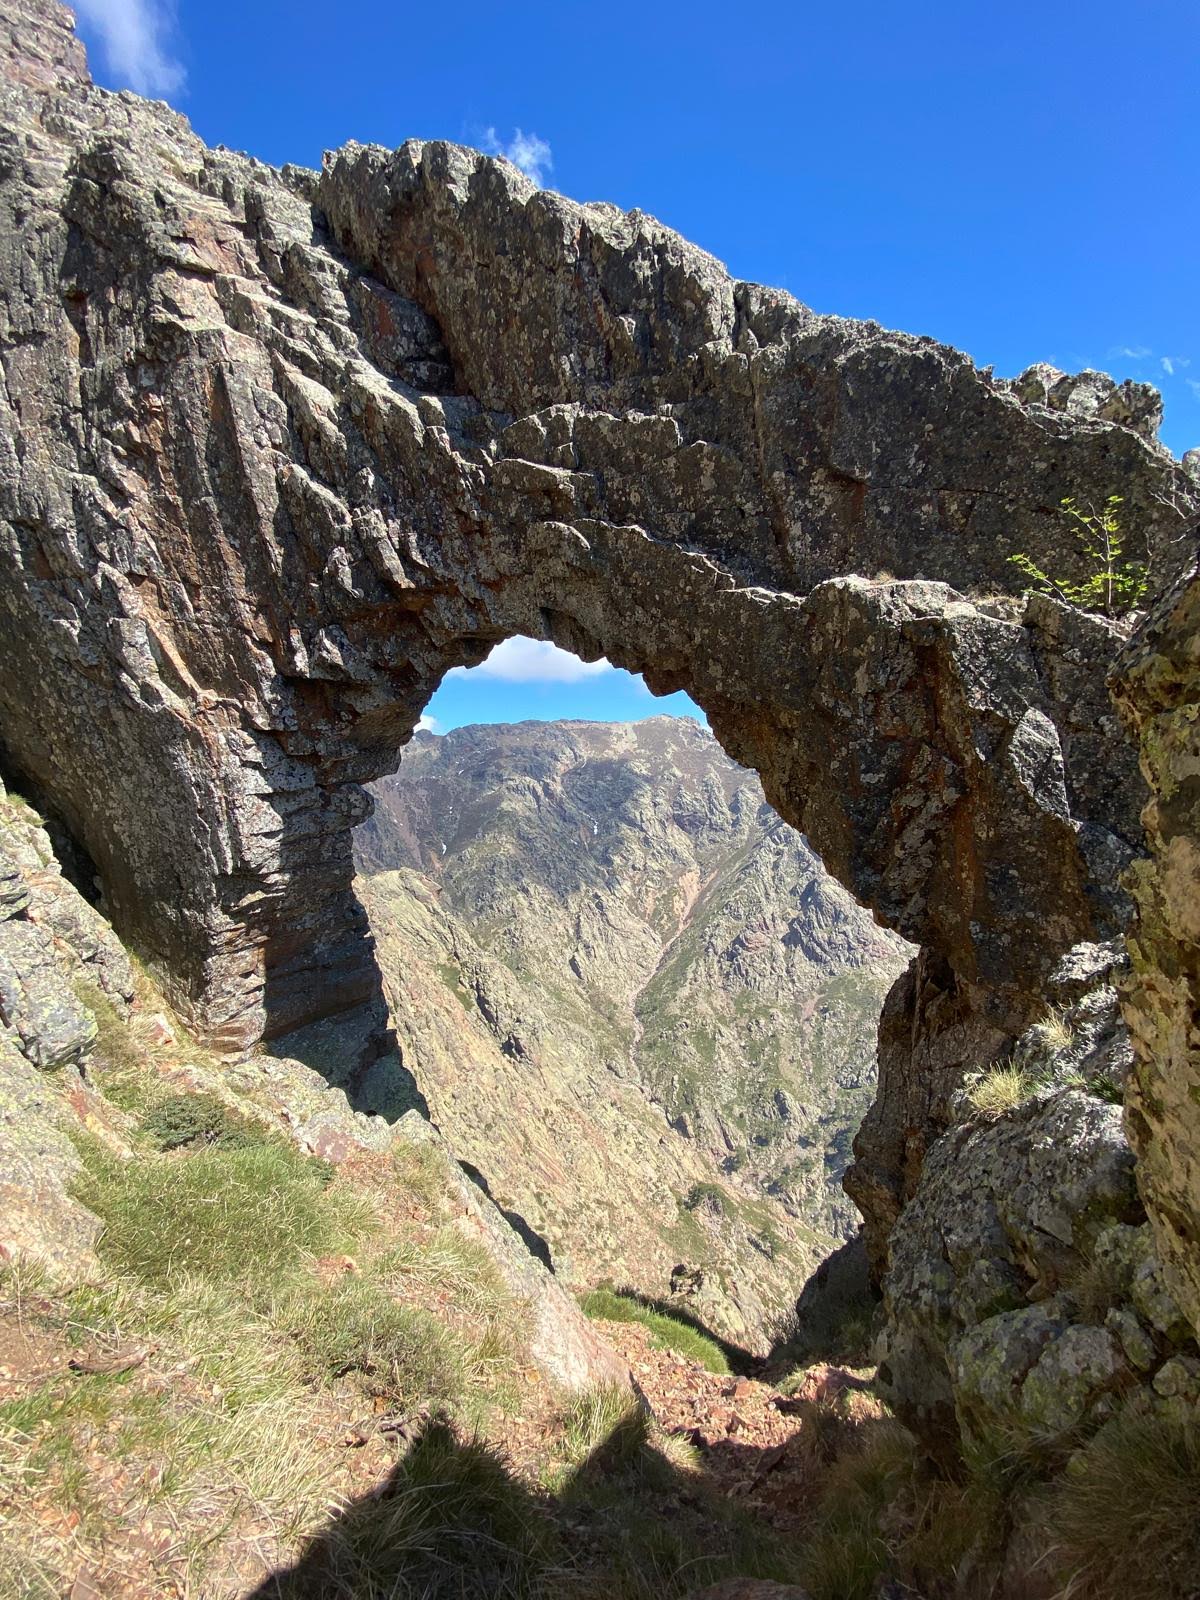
[1157, 686]
[279, 448]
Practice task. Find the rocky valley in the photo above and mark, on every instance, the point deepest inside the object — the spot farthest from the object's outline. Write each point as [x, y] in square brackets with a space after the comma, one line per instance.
[631, 996]
[279, 449]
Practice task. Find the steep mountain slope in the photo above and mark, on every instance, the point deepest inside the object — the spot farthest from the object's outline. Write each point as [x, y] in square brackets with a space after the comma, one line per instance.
[631, 997]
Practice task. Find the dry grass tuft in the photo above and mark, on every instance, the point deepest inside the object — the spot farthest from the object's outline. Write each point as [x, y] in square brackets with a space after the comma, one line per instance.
[1000, 1090]
[1126, 1513]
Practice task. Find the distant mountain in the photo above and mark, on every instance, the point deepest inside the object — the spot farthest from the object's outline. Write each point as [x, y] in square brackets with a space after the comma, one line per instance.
[632, 998]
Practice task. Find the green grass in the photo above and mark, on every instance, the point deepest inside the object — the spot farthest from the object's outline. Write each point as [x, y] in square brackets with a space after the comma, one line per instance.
[606, 1417]
[238, 1215]
[668, 1332]
[1125, 1514]
[233, 1434]
[882, 1513]
[400, 1353]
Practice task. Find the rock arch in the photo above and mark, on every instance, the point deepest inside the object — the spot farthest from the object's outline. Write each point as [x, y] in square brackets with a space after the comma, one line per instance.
[280, 448]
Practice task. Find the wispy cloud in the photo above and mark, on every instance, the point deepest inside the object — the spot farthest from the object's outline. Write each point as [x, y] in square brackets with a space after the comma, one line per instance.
[135, 41]
[535, 661]
[1194, 385]
[1132, 352]
[427, 724]
[524, 150]
[1173, 364]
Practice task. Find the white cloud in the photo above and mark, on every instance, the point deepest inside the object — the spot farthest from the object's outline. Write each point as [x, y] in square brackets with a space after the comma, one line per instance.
[1168, 366]
[535, 661]
[1194, 385]
[1132, 352]
[524, 150]
[426, 724]
[134, 37]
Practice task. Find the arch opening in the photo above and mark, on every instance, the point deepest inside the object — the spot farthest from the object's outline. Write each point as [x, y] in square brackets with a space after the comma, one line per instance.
[626, 990]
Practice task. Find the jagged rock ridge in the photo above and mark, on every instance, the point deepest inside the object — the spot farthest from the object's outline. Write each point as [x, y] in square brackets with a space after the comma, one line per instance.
[280, 448]
[657, 1013]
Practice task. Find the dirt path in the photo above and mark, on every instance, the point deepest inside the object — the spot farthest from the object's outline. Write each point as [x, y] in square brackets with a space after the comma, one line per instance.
[766, 1450]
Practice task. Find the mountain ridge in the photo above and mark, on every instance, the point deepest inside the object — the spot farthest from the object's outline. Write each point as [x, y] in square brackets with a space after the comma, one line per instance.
[623, 922]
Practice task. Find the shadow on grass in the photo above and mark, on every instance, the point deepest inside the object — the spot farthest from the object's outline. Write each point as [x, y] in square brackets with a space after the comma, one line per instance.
[627, 1522]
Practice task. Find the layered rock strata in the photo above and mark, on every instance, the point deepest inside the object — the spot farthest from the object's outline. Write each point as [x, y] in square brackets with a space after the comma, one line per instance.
[279, 448]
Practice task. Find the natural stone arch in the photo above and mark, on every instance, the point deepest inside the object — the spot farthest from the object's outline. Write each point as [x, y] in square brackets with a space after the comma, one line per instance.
[284, 447]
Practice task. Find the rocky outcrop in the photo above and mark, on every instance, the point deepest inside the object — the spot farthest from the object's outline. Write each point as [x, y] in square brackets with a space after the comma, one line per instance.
[1157, 685]
[279, 448]
[51, 940]
[1018, 739]
[39, 1220]
[1024, 1298]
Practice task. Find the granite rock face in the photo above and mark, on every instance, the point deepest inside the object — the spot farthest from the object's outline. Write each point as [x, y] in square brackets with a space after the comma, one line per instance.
[51, 941]
[1023, 1294]
[1157, 685]
[279, 448]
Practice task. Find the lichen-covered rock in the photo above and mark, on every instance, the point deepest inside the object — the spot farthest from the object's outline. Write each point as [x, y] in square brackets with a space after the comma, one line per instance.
[39, 1220]
[932, 1039]
[1022, 1289]
[50, 1025]
[1139, 1348]
[50, 937]
[1157, 686]
[1091, 394]
[1073, 1381]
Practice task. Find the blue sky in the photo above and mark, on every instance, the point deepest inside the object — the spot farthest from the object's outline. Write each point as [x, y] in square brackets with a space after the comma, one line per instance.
[527, 679]
[1016, 178]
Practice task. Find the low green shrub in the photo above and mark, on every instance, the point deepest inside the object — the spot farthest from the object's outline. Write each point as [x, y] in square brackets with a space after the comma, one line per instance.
[706, 1197]
[204, 1119]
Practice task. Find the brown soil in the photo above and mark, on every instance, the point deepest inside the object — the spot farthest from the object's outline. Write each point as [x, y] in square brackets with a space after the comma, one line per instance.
[761, 1448]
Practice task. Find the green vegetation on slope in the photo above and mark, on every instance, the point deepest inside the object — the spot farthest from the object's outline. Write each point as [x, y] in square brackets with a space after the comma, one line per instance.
[667, 1331]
